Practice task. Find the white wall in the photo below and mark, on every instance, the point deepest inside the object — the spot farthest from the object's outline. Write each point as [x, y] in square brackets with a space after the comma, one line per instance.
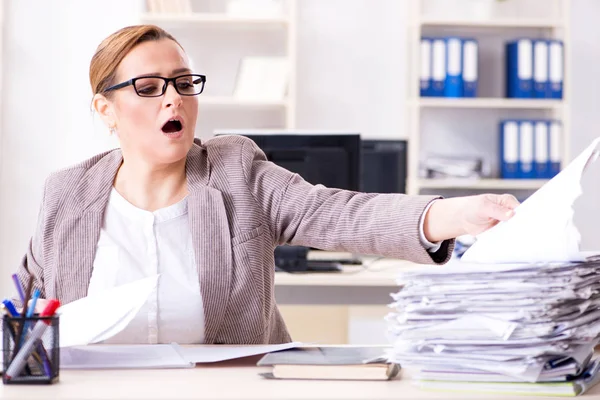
[353, 76]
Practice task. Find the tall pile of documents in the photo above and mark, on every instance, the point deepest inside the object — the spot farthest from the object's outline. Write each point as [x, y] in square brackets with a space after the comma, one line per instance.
[518, 313]
[502, 323]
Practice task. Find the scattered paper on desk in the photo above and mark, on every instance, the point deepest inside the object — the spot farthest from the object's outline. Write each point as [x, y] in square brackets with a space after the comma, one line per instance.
[542, 228]
[208, 354]
[99, 317]
[142, 356]
[139, 356]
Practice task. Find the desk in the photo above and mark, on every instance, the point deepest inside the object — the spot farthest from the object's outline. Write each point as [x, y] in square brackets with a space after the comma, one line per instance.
[237, 379]
[339, 307]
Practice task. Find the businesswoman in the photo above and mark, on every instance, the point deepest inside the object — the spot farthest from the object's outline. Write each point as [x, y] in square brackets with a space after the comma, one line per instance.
[206, 216]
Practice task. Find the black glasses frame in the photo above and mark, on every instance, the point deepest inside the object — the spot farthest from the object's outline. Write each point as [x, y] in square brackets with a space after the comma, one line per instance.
[164, 88]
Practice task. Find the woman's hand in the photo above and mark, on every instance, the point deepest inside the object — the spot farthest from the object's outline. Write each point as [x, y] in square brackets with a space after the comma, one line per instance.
[470, 215]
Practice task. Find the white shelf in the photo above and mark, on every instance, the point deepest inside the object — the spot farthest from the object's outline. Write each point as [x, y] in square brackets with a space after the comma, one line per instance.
[490, 32]
[230, 101]
[213, 19]
[449, 102]
[494, 24]
[526, 184]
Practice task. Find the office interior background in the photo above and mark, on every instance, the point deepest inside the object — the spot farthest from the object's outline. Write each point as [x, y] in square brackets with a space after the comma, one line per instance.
[353, 70]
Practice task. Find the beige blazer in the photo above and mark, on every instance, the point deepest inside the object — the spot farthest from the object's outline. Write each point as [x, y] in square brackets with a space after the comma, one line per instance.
[240, 207]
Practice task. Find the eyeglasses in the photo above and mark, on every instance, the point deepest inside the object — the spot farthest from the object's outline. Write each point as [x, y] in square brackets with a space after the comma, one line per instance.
[156, 86]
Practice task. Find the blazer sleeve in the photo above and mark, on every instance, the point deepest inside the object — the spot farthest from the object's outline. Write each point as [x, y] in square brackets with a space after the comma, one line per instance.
[33, 262]
[303, 214]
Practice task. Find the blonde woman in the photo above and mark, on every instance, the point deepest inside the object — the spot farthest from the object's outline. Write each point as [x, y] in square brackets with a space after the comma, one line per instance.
[207, 216]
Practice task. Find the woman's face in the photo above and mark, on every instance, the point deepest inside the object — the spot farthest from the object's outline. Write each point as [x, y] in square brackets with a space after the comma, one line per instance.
[147, 127]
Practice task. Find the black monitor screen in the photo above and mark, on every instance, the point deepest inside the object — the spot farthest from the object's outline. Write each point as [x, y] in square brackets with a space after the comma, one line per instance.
[330, 160]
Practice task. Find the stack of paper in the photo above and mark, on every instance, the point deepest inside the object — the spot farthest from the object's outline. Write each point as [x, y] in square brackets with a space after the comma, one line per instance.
[522, 305]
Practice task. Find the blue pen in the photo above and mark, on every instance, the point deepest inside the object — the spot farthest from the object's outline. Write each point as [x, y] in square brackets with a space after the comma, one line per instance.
[19, 288]
[30, 311]
[34, 299]
[10, 307]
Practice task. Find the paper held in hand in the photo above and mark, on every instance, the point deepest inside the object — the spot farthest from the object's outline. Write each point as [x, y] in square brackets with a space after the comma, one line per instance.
[542, 229]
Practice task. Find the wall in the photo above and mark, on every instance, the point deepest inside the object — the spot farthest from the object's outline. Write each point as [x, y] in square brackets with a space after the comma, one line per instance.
[352, 77]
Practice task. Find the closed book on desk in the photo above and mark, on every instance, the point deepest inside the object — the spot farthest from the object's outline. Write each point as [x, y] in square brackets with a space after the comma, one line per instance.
[330, 363]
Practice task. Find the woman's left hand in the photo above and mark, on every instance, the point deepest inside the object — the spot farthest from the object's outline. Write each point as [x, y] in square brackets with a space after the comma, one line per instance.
[484, 211]
[469, 215]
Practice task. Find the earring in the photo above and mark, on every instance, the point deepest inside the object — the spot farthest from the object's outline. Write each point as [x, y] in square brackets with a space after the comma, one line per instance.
[112, 130]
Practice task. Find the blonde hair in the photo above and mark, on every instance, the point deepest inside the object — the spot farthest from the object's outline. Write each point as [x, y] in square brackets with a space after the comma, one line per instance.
[114, 48]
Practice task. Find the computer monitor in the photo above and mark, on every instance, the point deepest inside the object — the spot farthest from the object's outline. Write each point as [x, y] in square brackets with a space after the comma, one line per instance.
[329, 159]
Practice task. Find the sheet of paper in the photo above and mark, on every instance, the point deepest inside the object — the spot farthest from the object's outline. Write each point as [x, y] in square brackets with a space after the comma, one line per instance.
[542, 228]
[216, 353]
[99, 317]
[139, 356]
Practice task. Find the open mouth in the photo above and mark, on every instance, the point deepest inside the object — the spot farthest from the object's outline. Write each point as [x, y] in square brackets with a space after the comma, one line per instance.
[172, 126]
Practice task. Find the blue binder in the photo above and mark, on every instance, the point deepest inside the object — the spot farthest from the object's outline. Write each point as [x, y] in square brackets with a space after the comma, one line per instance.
[541, 160]
[541, 88]
[555, 68]
[438, 67]
[526, 153]
[470, 67]
[555, 135]
[519, 69]
[509, 149]
[454, 75]
[425, 67]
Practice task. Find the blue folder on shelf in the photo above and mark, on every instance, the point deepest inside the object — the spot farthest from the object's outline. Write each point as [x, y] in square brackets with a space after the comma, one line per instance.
[509, 149]
[425, 67]
[542, 149]
[555, 68]
[454, 76]
[526, 152]
[470, 67]
[555, 136]
[541, 87]
[438, 67]
[519, 69]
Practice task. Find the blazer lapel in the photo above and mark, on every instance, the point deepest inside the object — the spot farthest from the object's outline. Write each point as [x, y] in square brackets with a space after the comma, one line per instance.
[79, 230]
[212, 241]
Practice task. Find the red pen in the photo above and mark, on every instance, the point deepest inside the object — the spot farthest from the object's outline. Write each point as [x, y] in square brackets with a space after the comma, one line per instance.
[19, 361]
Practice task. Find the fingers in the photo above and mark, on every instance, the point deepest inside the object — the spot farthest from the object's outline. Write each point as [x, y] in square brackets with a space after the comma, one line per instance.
[509, 201]
[500, 207]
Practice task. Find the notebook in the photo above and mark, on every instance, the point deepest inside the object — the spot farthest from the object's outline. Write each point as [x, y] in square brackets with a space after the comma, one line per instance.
[570, 387]
[330, 363]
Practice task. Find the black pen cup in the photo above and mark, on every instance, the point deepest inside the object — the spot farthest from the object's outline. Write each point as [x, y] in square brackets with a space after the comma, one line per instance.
[31, 350]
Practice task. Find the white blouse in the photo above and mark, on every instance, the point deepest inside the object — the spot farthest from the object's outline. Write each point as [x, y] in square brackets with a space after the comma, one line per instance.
[136, 243]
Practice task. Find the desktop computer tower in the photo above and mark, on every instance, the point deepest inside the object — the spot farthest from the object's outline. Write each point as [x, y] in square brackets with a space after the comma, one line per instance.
[383, 166]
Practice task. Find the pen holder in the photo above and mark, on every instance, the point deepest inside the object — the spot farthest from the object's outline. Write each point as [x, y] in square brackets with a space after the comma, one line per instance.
[31, 350]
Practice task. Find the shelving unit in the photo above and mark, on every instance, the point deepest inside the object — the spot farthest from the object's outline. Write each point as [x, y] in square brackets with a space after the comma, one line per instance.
[471, 110]
[494, 103]
[507, 23]
[482, 184]
[218, 21]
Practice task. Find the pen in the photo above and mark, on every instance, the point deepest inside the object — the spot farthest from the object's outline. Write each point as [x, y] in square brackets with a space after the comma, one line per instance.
[30, 311]
[10, 308]
[11, 329]
[34, 298]
[19, 361]
[23, 315]
[19, 288]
